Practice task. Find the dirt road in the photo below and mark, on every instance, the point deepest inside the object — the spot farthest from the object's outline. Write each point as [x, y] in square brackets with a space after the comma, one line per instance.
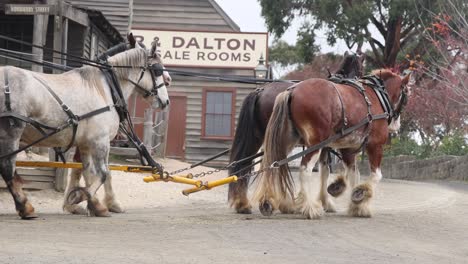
[413, 223]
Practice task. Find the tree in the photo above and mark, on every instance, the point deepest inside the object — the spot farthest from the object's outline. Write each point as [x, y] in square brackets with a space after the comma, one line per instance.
[283, 54]
[396, 21]
[445, 51]
[437, 108]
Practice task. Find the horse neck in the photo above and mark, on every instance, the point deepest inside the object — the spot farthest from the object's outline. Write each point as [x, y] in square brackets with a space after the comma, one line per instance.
[393, 88]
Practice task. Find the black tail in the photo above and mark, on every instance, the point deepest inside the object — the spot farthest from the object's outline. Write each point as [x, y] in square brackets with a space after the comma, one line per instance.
[247, 141]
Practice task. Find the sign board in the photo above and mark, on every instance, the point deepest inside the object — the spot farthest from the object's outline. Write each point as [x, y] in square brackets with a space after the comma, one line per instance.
[17, 9]
[207, 49]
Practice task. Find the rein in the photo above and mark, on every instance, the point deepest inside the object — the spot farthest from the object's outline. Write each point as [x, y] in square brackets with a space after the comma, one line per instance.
[153, 73]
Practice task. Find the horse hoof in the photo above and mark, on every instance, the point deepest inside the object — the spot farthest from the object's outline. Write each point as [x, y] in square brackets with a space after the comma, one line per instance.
[115, 208]
[28, 212]
[104, 213]
[266, 208]
[361, 193]
[29, 217]
[76, 196]
[337, 188]
[75, 209]
[95, 208]
[244, 210]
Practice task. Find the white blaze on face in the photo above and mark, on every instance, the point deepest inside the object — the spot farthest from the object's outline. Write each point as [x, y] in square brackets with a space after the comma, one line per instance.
[394, 125]
[163, 96]
[167, 78]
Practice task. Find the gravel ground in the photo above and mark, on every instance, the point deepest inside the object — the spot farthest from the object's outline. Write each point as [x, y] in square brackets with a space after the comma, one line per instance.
[414, 222]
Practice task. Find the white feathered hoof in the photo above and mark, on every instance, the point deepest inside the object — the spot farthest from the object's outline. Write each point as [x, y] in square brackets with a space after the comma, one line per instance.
[359, 210]
[266, 208]
[362, 193]
[337, 187]
[360, 201]
[312, 211]
[329, 206]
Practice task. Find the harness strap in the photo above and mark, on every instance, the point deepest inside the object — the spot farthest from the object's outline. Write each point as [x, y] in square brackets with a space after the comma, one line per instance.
[378, 88]
[65, 107]
[73, 121]
[329, 140]
[7, 90]
[343, 111]
[116, 93]
[36, 124]
[40, 127]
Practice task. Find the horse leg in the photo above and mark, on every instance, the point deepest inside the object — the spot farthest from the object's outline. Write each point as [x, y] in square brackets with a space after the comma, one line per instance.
[109, 198]
[304, 202]
[324, 170]
[95, 172]
[74, 182]
[9, 142]
[15, 186]
[351, 175]
[238, 198]
[363, 193]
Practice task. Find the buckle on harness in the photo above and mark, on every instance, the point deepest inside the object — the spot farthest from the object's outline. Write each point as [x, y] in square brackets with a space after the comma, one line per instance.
[65, 107]
[73, 121]
[7, 90]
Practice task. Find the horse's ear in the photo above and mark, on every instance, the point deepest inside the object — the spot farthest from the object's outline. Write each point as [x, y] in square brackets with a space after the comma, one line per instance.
[406, 79]
[131, 39]
[154, 46]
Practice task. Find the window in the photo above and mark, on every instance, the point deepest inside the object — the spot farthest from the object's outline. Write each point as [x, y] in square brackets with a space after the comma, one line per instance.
[218, 113]
[94, 46]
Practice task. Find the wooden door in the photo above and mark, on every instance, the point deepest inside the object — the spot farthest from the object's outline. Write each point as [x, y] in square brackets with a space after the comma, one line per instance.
[175, 143]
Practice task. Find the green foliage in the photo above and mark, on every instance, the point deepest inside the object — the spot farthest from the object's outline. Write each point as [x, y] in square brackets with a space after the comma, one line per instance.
[405, 146]
[305, 47]
[304, 51]
[398, 22]
[455, 145]
[284, 54]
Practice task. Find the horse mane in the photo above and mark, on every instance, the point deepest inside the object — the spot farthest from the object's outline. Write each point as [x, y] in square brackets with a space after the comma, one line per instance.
[392, 84]
[135, 58]
[348, 65]
[132, 57]
[384, 74]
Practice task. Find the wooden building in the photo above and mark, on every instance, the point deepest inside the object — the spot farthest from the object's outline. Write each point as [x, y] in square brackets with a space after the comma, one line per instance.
[58, 25]
[202, 113]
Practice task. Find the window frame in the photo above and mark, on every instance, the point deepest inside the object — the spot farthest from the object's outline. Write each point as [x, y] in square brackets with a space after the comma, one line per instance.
[233, 112]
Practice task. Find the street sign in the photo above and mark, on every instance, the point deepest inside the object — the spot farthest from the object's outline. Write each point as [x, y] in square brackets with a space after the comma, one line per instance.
[17, 9]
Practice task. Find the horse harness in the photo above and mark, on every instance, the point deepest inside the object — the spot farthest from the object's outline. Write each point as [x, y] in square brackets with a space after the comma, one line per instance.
[155, 70]
[378, 87]
[72, 121]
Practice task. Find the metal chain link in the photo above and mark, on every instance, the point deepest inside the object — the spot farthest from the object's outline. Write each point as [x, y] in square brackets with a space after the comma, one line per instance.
[205, 173]
[209, 172]
[179, 170]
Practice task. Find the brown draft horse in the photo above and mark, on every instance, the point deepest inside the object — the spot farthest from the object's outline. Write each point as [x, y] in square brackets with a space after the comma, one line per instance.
[310, 113]
[253, 119]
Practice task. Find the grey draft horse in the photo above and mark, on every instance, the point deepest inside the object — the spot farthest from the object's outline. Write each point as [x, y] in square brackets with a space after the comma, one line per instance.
[34, 96]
